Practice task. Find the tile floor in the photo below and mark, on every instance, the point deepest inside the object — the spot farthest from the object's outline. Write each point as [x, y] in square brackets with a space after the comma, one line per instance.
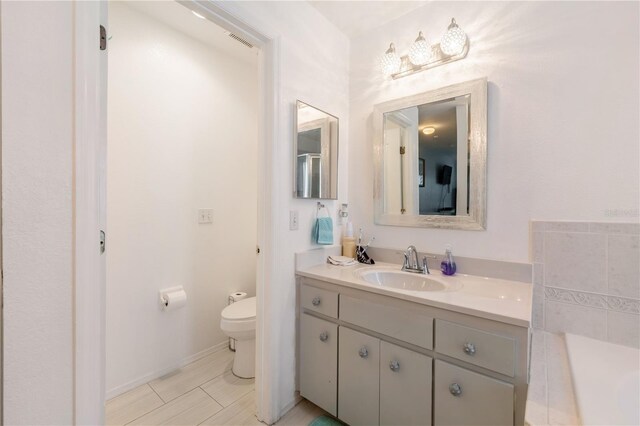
[204, 392]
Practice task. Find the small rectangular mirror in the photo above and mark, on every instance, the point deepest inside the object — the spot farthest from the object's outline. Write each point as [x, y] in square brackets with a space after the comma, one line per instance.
[430, 158]
[316, 153]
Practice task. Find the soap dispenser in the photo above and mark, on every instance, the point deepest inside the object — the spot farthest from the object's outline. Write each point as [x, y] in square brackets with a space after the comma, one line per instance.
[448, 265]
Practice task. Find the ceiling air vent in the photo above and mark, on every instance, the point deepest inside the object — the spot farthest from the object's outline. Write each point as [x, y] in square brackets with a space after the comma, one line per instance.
[241, 40]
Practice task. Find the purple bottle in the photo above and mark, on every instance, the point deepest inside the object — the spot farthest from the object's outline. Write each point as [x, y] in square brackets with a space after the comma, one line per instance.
[448, 265]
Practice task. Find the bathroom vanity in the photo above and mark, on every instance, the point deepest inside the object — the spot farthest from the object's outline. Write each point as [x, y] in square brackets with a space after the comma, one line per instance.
[379, 346]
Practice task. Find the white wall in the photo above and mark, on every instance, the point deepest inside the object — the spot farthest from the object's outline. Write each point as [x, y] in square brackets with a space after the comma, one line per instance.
[182, 129]
[563, 115]
[37, 208]
[313, 66]
[37, 189]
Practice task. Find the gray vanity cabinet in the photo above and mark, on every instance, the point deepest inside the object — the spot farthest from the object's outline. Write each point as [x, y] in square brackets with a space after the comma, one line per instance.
[395, 362]
[405, 386]
[319, 362]
[380, 378]
[358, 387]
[463, 397]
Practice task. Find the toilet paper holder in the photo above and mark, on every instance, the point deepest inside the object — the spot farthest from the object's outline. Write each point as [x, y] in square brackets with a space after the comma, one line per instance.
[163, 294]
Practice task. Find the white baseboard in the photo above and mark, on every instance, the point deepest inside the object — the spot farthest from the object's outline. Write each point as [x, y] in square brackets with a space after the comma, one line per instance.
[118, 390]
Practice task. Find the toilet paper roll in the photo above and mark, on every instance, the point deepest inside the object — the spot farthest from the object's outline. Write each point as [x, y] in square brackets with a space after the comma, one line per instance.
[173, 300]
[237, 296]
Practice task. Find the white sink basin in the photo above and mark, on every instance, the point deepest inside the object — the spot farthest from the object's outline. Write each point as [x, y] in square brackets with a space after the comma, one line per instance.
[392, 278]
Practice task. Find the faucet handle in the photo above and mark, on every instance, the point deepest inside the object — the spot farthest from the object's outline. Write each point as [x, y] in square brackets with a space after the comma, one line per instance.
[425, 264]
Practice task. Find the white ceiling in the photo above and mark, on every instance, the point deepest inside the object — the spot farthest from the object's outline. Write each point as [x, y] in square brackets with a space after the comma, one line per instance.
[356, 17]
[182, 19]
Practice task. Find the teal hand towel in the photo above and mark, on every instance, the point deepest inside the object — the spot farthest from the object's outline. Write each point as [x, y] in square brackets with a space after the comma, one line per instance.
[323, 231]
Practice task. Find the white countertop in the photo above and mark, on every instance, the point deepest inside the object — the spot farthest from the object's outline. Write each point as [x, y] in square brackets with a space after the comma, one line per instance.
[490, 298]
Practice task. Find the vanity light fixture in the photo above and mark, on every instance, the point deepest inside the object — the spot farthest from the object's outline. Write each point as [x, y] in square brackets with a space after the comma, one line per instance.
[390, 62]
[420, 51]
[453, 46]
[198, 15]
[454, 40]
[428, 130]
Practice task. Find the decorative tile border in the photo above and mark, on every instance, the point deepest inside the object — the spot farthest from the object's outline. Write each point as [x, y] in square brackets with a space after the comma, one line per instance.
[575, 297]
[613, 303]
[622, 304]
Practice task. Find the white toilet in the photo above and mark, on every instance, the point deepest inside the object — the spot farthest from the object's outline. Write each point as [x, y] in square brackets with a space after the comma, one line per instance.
[238, 321]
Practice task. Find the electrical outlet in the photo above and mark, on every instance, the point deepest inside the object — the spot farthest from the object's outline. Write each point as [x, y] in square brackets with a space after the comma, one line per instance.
[205, 216]
[293, 220]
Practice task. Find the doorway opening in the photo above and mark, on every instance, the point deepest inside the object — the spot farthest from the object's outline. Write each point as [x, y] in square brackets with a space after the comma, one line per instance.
[185, 106]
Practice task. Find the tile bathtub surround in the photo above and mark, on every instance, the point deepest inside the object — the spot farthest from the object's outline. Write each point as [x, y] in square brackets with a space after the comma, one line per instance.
[586, 279]
[551, 400]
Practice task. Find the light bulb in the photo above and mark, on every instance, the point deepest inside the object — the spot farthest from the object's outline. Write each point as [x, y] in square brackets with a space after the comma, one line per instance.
[420, 51]
[390, 62]
[428, 130]
[454, 40]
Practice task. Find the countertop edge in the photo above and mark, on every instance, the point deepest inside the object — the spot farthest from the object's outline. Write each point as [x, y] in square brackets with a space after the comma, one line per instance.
[515, 321]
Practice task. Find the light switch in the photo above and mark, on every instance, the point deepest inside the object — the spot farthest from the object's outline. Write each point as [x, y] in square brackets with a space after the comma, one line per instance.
[205, 216]
[293, 220]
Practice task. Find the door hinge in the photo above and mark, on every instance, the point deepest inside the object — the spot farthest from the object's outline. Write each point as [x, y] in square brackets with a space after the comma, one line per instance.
[402, 150]
[103, 241]
[103, 38]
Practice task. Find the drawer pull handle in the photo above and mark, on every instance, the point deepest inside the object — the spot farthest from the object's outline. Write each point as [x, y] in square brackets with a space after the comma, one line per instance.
[394, 365]
[455, 389]
[324, 336]
[469, 349]
[363, 352]
[315, 301]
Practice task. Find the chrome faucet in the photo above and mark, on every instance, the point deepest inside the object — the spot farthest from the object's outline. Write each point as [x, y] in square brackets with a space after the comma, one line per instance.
[414, 266]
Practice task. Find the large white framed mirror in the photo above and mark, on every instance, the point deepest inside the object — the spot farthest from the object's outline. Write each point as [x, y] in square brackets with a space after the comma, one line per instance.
[430, 158]
[316, 153]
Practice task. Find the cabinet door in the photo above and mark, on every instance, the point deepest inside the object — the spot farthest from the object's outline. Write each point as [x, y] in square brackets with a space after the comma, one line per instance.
[319, 362]
[405, 386]
[358, 388]
[463, 397]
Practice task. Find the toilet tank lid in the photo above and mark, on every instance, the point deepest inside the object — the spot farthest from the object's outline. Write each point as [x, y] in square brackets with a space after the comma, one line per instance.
[244, 309]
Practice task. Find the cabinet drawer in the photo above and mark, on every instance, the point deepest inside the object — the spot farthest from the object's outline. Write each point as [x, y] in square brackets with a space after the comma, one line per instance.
[488, 350]
[359, 384]
[405, 386]
[319, 362]
[463, 397]
[408, 326]
[319, 300]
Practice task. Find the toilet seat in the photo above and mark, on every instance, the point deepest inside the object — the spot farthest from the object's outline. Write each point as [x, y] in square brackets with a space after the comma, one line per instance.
[242, 310]
[239, 316]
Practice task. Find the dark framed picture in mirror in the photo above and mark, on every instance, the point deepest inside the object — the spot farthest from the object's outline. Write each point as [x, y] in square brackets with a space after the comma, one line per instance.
[421, 172]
